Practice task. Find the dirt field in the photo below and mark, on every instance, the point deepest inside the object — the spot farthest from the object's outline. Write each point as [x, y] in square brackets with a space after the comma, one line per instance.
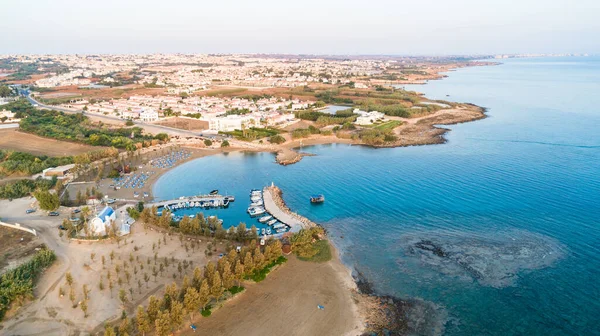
[286, 304]
[16, 247]
[185, 123]
[24, 142]
[52, 314]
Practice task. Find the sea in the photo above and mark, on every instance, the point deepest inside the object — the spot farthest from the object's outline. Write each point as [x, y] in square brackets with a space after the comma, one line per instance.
[495, 232]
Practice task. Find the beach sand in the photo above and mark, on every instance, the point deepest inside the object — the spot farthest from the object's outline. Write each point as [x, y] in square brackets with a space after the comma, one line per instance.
[286, 303]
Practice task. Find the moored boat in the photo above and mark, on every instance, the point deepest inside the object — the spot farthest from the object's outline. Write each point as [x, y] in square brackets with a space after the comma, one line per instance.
[271, 222]
[214, 192]
[265, 219]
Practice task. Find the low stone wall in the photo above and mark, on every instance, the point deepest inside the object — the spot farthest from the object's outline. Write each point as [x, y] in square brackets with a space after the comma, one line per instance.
[19, 227]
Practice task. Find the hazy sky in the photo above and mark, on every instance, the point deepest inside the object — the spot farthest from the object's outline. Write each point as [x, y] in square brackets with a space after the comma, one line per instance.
[403, 27]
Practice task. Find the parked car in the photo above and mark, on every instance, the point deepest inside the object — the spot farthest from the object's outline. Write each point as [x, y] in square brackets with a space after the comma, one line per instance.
[30, 211]
[111, 200]
[76, 211]
[53, 213]
[62, 227]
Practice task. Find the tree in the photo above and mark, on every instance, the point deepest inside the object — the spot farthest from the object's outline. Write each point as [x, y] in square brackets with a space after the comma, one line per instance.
[5, 91]
[209, 271]
[176, 313]
[191, 301]
[208, 142]
[204, 293]
[142, 321]
[248, 263]
[225, 143]
[84, 308]
[239, 271]
[216, 289]
[109, 330]
[163, 323]
[47, 200]
[228, 276]
[72, 296]
[122, 296]
[69, 278]
[124, 327]
[153, 309]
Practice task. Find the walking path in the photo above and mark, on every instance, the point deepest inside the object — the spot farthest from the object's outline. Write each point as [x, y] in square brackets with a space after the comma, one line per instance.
[274, 205]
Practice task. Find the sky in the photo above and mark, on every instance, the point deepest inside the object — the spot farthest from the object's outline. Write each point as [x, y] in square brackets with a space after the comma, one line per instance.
[340, 27]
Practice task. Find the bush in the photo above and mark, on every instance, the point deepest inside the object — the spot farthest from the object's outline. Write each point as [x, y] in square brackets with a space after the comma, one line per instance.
[208, 142]
[236, 289]
[22, 188]
[277, 139]
[19, 282]
[323, 252]
[206, 311]
[225, 143]
[47, 200]
[129, 123]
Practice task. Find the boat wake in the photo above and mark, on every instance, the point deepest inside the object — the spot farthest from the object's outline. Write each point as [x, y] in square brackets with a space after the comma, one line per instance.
[493, 259]
[537, 143]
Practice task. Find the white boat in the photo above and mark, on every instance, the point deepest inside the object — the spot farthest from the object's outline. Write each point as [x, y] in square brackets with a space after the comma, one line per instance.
[192, 216]
[278, 226]
[268, 231]
[255, 198]
[256, 204]
[265, 219]
[271, 222]
[256, 211]
[280, 230]
[263, 231]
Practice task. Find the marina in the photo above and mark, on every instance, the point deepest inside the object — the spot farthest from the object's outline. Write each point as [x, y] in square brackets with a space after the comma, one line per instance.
[202, 201]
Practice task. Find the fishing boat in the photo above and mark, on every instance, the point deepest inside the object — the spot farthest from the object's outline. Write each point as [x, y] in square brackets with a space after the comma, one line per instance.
[271, 222]
[214, 192]
[265, 219]
[317, 198]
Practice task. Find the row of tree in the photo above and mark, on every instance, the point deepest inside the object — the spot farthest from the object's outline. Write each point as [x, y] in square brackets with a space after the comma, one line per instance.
[199, 225]
[12, 162]
[166, 315]
[22, 188]
[18, 283]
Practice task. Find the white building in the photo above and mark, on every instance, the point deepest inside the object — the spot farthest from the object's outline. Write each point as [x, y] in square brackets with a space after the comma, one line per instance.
[368, 118]
[232, 122]
[149, 115]
[103, 220]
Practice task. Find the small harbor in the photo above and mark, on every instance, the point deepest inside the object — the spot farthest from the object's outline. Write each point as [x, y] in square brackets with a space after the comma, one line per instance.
[266, 211]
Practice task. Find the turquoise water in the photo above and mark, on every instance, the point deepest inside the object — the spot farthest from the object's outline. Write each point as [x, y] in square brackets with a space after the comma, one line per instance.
[512, 200]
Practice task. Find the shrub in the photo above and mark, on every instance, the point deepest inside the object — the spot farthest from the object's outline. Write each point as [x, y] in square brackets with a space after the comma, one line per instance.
[225, 143]
[208, 142]
[277, 139]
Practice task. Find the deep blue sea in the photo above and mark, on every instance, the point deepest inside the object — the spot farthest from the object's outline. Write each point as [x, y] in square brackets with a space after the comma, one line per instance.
[511, 200]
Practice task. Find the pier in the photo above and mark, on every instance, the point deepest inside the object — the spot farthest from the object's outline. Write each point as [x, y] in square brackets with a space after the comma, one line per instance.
[276, 207]
[214, 200]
